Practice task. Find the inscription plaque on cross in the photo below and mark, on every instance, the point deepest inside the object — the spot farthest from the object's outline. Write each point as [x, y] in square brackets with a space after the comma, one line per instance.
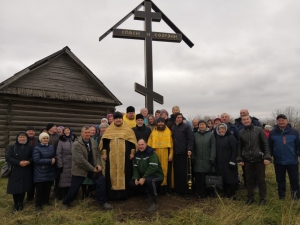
[148, 36]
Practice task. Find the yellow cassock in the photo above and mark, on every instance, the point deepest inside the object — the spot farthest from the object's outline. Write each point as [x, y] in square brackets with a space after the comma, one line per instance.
[162, 143]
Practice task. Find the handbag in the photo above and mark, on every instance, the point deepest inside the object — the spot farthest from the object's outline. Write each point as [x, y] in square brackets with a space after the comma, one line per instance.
[215, 182]
[6, 169]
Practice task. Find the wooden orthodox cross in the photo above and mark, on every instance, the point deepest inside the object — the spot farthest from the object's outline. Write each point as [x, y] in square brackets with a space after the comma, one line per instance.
[148, 36]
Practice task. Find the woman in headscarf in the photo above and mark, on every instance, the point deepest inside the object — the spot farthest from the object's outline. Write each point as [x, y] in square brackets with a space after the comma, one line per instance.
[226, 146]
[151, 122]
[44, 170]
[64, 160]
[20, 180]
[60, 130]
[110, 118]
[95, 133]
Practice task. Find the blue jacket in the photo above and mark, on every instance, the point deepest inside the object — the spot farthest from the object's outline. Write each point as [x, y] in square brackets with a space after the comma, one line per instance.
[42, 158]
[285, 145]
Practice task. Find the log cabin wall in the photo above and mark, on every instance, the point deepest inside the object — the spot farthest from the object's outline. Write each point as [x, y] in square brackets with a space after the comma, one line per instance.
[18, 112]
[5, 110]
[57, 89]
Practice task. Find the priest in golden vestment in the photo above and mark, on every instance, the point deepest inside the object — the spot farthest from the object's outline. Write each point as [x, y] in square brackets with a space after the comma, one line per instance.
[117, 147]
[161, 141]
[129, 116]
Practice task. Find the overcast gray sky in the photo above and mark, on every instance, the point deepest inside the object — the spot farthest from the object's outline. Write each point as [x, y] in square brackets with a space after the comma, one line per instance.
[246, 53]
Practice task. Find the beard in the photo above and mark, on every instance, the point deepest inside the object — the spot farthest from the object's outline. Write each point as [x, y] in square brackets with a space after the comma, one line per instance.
[119, 124]
[161, 128]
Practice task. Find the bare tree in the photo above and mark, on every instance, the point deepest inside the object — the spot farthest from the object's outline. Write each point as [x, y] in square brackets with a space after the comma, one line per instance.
[268, 120]
[291, 113]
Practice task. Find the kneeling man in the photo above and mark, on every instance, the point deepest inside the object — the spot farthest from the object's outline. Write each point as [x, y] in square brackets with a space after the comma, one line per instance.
[86, 163]
[147, 172]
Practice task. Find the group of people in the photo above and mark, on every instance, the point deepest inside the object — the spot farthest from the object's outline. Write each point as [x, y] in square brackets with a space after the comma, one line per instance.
[152, 154]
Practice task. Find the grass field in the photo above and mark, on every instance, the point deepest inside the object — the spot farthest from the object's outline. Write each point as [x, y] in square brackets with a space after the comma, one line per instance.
[172, 210]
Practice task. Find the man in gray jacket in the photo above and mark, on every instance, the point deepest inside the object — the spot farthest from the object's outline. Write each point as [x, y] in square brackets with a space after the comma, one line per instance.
[254, 155]
[86, 163]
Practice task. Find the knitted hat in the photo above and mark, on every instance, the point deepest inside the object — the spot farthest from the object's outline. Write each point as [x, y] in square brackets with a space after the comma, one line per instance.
[160, 119]
[103, 125]
[222, 125]
[164, 111]
[139, 116]
[202, 121]
[61, 127]
[49, 126]
[217, 119]
[109, 115]
[29, 128]
[118, 115]
[104, 120]
[130, 109]
[44, 134]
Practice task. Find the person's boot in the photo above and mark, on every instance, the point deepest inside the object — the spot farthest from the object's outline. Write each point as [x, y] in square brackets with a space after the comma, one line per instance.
[106, 206]
[21, 206]
[16, 208]
[153, 205]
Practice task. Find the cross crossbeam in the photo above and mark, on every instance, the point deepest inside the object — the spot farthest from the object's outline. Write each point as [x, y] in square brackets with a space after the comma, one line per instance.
[148, 36]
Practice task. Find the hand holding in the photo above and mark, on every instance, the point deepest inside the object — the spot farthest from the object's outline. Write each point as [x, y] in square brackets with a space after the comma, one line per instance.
[136, 182]
[266, 162]
[241, 163]
[131, 156]
[99, 168]
[142, 181]
[23, 163]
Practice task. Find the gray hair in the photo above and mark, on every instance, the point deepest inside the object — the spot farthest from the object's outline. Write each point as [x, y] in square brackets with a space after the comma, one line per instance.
[85, 128]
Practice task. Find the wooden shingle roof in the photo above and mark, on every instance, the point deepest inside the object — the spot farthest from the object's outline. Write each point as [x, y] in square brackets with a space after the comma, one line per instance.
[62, 76]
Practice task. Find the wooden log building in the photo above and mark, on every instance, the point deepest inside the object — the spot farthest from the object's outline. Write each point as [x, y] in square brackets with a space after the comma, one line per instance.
[59, 89]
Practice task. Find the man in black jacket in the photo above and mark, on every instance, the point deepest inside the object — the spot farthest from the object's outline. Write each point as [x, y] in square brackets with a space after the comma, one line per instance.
[238, 122]
[140, 130]
[183, 143]
[254, 155]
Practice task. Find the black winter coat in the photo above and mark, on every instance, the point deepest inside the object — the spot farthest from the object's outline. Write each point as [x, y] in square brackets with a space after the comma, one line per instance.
[20, 180]
[142, 132]
[226, 147]
[240, 126]
[183, 138]
[43, 170]
[253, 145]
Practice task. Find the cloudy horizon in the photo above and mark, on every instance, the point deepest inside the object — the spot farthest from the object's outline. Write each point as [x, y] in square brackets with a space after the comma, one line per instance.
[246, 53]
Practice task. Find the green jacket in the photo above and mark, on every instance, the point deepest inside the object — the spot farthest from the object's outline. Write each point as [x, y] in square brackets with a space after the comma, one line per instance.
[204, 151]
[146, 163]
[80, 164]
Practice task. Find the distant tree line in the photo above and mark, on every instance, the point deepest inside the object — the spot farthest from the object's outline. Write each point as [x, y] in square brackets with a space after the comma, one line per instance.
[292, 113]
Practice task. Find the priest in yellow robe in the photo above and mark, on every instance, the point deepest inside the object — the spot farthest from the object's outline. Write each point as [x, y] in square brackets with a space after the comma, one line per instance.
[117, 147]
[161, 141]
[129, 116]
